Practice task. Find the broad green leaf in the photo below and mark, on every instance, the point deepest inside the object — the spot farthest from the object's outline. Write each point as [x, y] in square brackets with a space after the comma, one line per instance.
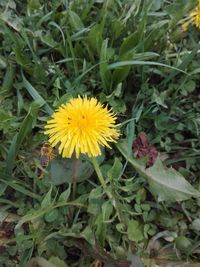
[66, 170]
[119, 75]
[167, 184]
[135, 231]
[52, 215]
[33, 6]
[134, 39]
[182, 243]
[126, 52]
[75, 20]
[155, 36]
[101, 229]
[159, 98]
[95, 39]
[88, 234]
[95, 201]
[196, 225]
[117, 27]
[48, 40]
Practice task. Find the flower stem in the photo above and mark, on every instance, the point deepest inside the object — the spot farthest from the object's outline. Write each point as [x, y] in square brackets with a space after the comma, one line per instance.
[98, 172]
[110, 195]
[74, 186]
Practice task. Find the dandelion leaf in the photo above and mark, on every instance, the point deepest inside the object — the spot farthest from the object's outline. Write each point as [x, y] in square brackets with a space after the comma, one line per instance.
[65, 170]
[166, 184]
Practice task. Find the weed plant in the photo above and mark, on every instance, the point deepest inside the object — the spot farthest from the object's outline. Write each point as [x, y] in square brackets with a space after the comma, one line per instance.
[134, 57]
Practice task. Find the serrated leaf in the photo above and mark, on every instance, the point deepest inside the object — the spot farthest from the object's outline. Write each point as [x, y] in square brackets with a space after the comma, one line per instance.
[115, 171]
[166, 184]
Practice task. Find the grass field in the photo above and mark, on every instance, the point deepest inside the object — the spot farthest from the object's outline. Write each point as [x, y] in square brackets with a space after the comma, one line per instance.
[136, 204]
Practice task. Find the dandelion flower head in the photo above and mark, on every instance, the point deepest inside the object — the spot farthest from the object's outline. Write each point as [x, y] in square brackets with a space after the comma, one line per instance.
[194, 18]
[82, 125]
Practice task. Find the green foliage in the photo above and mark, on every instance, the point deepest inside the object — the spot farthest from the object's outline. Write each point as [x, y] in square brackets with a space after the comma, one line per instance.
[167, 184]
[134, 57]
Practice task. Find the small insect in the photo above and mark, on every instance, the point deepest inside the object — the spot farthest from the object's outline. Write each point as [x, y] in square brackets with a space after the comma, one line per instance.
[46, 155]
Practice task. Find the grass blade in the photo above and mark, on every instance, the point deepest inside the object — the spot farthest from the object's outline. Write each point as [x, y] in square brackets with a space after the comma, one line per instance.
[140, 62]
[20, 189]
[18, 139]
[186, 61]
[35, 95]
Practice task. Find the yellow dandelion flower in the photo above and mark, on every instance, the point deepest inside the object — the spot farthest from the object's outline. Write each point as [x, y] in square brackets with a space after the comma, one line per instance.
[194, 18]
[82, 126]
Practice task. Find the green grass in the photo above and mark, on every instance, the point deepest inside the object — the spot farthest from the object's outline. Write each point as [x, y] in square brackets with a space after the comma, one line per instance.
[133, 56]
